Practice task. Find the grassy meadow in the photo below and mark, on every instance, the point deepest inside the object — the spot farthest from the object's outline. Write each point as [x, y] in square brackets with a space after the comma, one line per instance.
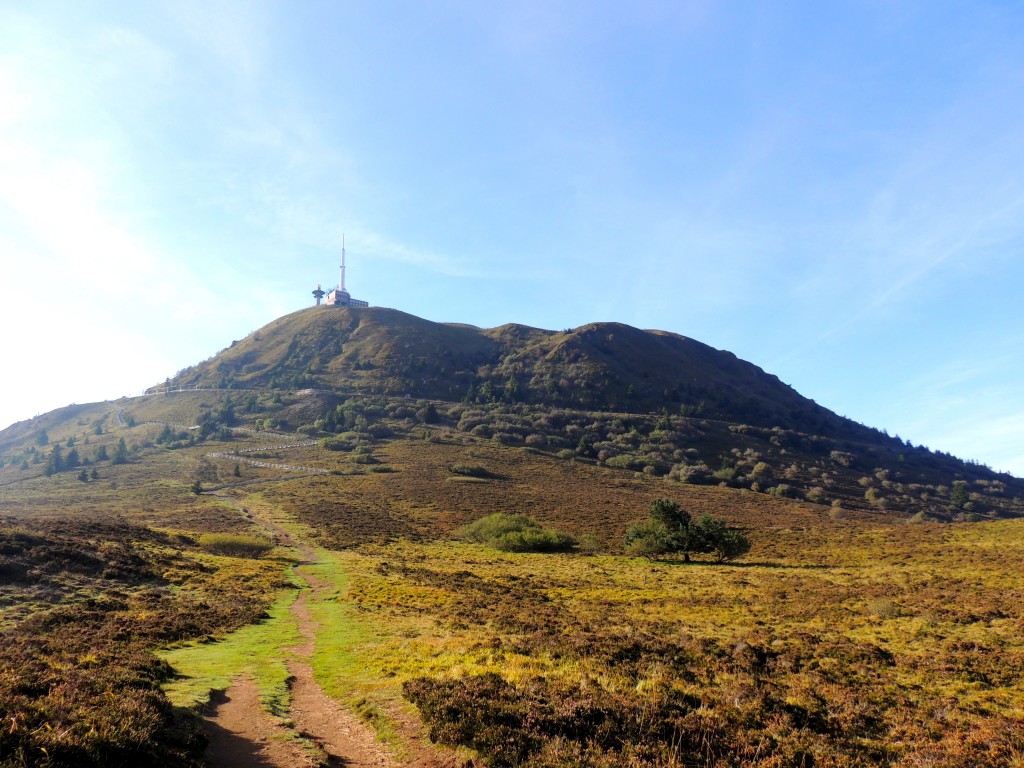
[905, 649]
[845, 637]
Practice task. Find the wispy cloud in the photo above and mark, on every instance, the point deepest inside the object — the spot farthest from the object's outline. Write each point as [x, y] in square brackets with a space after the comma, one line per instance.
[949, 205]
[969, 402]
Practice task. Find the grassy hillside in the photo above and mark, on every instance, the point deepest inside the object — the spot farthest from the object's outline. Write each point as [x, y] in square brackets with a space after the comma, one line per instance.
[602, 366]
[592, 390]
[298, 498]
[848, 635]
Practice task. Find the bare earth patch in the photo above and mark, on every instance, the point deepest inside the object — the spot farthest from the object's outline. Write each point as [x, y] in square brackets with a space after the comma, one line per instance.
[346, 739]
[243, 735]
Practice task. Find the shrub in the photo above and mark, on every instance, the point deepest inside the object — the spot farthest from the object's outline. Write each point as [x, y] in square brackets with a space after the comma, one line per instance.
[515, 533]
[429, 414]
[784, 491]
[883, 608]
[841, 458]
[336, 444]
[470, 470]
[726, 474]
[695, 474]
[816, 495]
[236, 545]
[626, 461]
[873, 497]
[533, 540]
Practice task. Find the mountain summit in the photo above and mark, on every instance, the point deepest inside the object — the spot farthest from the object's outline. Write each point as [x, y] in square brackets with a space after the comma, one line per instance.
[598, 366]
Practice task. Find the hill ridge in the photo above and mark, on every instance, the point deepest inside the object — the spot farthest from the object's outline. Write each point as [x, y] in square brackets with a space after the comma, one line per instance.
[606, 365]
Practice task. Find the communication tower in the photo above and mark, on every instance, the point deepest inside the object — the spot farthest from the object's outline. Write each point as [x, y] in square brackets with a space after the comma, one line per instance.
[339, 297]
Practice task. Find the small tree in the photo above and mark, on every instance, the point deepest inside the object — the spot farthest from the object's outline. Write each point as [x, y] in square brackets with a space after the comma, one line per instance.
[197, 487]
[429, 414]
[959, 496]
[730, 544]
[722, 541]
[684, 536]
[166, 434]
[647, 539]
[55, 461]
[121, 457]
[670, 529]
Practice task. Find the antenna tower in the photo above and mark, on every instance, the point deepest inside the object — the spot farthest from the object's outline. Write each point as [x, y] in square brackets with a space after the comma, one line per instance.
[341, 278]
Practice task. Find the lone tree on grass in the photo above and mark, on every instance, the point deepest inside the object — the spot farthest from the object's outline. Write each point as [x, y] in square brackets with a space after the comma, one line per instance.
[671, 530]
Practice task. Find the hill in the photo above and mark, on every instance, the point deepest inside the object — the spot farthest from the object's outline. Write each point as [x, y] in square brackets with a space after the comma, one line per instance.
[593, 390]
[142, 616]
[598, 366]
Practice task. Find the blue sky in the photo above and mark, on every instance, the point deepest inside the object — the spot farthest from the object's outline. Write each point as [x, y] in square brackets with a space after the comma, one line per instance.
[832, 191]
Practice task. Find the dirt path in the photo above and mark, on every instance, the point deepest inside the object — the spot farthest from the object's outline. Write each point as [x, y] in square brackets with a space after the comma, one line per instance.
[243, 735]
[346, 739]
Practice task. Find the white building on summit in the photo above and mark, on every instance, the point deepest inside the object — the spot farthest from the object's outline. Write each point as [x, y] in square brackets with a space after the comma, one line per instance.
[339, 297]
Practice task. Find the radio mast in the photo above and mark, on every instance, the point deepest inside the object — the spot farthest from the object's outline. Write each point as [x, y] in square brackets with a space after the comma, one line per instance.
[341, 276]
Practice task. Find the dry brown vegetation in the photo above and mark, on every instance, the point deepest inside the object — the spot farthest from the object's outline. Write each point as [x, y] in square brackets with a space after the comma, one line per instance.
[84, 604]
[849, 637]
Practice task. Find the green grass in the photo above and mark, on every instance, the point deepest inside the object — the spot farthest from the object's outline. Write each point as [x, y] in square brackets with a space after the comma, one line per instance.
[891, 618]
[257, 650]
[345, 662]
[236, 545]
[827, 627]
